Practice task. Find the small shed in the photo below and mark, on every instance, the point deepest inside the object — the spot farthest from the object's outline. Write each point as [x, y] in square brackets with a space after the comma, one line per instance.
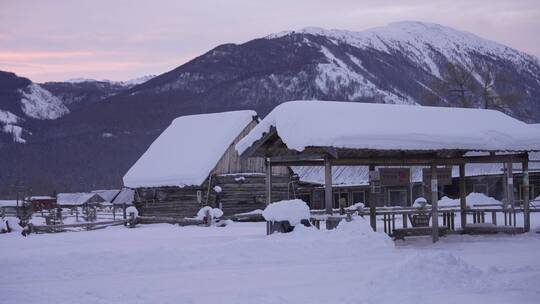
[322, 133]
[193, 163]
[78, 199]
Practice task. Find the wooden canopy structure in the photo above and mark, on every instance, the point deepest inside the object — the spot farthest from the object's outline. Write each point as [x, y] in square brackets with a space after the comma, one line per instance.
[269, 143]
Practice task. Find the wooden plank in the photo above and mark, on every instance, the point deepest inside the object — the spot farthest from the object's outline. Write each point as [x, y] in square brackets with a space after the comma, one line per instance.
[268, 182]
[510, 184]
[525, 190]
[372, 204]
[434, 204]
[462, 195]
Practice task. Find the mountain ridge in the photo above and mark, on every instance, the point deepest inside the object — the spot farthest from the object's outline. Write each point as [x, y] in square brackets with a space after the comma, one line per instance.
[96, 143]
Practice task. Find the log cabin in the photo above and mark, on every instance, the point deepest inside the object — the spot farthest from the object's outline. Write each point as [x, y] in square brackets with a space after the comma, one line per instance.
[193, 164]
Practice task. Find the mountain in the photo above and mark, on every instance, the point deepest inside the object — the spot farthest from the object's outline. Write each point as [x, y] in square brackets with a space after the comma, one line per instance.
[24, 103]
[407, 63]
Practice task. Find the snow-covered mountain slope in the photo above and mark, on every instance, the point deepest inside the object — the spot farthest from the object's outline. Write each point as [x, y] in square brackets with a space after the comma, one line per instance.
[125, 83]
[403, 63]
[422, 42]
[39, 103]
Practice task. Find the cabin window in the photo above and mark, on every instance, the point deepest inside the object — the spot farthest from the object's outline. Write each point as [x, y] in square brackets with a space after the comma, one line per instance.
[199, 196]
[480, 188]
[358, 197]
[397, 197]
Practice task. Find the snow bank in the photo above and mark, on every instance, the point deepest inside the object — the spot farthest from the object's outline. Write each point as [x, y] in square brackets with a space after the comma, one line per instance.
[13, 223]
[473, 199]
[298, 125]
[292, 211]
[188, 150]
[215, 212]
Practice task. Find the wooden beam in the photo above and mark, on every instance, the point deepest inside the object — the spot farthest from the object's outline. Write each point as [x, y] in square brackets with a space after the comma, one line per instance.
[434, 204]
[328, 186]
[372, 204]
[510, 184]
[268, 182]
[299, 157]
[526, 211]
[462, 195]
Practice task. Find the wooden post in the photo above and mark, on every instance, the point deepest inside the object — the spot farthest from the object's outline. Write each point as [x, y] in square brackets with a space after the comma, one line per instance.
[372, 204]
[268, 182]
[510, 185]
[328, 186]
[525, 190]
[462, 195]
[124, 211]
[434, 204]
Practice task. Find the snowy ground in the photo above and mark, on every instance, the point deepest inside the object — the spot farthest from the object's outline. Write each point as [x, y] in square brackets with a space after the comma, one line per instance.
[238, 264]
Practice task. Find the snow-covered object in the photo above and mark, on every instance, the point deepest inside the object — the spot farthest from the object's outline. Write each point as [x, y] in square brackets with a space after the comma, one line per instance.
[253, 212]
[474, 199]
[356, 207]
[292, 211]
[298, 123]
[420, 202]
[132, 209]
[188, 150]
[41, 104]
[217, 189]
[214, 212]
[13, 223]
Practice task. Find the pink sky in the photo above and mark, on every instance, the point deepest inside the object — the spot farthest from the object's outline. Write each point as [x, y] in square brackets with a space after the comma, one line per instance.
[121, 39]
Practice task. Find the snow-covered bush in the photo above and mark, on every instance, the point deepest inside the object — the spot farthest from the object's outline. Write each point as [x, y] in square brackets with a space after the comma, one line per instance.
[132, 209]
[356, 207]
[214, 212]
[293, 211]
[473, 199]
[420, 202]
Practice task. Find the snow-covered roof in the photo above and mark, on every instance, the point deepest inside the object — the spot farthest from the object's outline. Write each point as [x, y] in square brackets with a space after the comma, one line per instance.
[77, 198]
[10, 203]
[125, 196]
[40, 197]
[359, 175]
[107, 195]
[188, 150]
[354, 125]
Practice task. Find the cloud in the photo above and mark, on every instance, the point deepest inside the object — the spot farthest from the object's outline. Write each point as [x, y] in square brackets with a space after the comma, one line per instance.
[40, 55]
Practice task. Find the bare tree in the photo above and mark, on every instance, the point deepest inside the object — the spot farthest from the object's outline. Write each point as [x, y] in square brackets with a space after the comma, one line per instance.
[458, 83]
[496, 87]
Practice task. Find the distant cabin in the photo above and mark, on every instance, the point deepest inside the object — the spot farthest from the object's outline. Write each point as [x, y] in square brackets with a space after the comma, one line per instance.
[193, 163]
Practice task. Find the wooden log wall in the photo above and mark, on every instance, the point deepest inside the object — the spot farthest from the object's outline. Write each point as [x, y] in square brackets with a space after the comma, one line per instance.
[168, 201]
[244, 193]
[239, 193]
